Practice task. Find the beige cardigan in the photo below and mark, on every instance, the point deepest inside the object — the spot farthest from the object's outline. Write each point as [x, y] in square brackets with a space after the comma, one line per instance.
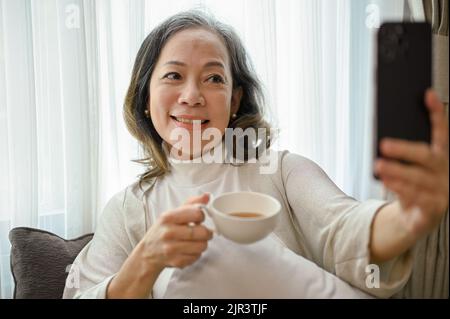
[318, 222]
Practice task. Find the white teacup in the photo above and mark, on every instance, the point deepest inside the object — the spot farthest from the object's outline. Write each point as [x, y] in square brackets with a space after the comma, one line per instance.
[243, 228]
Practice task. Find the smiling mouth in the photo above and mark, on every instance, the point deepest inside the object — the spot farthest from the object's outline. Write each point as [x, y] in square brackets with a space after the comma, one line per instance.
[187, 121]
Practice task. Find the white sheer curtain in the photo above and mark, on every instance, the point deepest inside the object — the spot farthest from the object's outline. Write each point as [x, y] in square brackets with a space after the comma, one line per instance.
[65, 67]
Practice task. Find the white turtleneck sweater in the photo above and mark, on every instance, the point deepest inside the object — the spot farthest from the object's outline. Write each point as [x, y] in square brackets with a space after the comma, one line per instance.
[228, 270]
[188, 179]
[319, 226]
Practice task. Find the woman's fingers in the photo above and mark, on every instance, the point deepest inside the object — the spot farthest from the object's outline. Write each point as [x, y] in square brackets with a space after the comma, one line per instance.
[202, 199]
[183, 253]
[412, 175]
[180, 237]
[183, 245]
[430, 201]
[412, 152]
[185, 214]
[188, 213]
[187, 233]
[404, 192]
[434, 157]
[175, 248]
[439, 122]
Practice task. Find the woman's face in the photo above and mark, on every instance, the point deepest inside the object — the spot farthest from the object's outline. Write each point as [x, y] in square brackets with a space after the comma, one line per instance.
[192, 82]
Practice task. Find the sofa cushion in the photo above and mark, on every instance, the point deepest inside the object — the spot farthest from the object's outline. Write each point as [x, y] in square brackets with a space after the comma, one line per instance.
[39, 260]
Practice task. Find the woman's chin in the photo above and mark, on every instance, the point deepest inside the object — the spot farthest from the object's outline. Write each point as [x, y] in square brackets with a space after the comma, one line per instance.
[187, 152]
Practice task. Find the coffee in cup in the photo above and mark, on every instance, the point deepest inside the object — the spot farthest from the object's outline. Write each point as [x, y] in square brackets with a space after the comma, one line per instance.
[243, 217]
[246, 214]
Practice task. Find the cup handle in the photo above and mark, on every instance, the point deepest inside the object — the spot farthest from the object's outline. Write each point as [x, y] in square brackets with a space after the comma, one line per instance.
[208, 212]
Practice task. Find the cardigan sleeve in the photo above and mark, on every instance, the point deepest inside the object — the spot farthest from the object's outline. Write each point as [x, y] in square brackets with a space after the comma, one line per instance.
[99, 261]
[337, 228]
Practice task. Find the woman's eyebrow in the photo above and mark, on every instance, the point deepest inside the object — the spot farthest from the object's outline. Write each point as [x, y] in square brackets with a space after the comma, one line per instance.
[207, 65]
[214, 63]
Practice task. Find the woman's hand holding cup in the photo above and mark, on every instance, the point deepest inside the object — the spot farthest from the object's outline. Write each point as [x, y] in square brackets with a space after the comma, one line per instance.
[177, 239]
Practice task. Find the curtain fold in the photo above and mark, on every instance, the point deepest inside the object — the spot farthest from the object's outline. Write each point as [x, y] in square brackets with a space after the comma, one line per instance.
[18, 182]
[436, 13]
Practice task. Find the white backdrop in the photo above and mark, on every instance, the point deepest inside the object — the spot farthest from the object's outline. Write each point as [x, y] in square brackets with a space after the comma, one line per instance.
[65, 67]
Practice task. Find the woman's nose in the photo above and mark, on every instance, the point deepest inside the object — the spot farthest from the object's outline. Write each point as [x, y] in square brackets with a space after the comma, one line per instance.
[191, 95]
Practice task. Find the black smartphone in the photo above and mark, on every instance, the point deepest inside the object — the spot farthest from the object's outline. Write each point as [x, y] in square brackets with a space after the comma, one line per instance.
[403, 75]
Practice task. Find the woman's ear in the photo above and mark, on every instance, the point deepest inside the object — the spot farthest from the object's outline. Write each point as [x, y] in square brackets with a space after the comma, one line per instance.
[236, 100]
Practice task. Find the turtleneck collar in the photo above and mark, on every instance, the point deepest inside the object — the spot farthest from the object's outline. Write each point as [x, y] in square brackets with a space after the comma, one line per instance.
[198, 171]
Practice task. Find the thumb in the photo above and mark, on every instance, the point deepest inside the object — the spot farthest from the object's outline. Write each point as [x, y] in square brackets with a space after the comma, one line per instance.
[202, 199]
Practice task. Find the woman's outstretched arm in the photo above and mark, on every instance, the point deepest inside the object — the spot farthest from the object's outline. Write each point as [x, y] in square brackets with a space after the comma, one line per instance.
[421, 186]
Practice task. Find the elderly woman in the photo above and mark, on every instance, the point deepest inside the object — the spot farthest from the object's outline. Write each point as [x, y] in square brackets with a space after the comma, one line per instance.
[153, 240]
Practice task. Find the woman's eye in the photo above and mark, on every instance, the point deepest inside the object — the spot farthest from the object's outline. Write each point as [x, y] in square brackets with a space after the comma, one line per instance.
[172, 76]
[216, 79]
